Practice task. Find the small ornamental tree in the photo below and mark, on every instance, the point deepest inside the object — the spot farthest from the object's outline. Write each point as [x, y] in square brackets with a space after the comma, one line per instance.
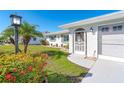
[27, 31]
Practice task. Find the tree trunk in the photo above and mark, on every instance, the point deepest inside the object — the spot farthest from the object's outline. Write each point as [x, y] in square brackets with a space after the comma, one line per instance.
[25, 48]
[26, 42]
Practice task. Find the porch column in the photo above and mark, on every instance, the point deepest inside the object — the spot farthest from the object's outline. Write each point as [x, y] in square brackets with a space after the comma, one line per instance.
[71, 41]
[85, 43]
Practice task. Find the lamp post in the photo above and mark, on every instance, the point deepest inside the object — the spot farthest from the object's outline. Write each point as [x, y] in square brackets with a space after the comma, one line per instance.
[16, 22]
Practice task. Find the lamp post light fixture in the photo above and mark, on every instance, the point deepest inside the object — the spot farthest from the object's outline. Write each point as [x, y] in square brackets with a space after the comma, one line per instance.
[16, 22]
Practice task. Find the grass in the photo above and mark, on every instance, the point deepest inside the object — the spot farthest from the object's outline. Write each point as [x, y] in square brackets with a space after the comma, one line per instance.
[60, 69]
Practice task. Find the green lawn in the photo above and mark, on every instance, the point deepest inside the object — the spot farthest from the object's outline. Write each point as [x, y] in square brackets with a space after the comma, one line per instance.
[59, 68]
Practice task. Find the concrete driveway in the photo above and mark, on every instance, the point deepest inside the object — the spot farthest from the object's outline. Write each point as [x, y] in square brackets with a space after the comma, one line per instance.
[105, 71]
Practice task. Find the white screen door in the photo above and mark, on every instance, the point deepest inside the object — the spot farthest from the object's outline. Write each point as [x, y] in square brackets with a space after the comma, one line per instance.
[79, 42]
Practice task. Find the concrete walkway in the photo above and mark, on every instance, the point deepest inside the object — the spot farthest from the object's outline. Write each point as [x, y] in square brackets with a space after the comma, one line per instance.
[79, 60]
[105, 71]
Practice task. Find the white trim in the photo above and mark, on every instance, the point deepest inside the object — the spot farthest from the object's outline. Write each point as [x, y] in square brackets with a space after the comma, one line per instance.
[57, 33]
[111, 58]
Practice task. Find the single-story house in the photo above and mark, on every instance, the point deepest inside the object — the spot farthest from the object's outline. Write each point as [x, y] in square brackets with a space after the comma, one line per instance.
[99, 37]
[33, 41]
[58, 39]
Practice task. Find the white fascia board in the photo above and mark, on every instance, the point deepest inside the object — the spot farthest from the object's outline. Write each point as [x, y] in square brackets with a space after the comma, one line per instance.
[58, 33]
[106, 17]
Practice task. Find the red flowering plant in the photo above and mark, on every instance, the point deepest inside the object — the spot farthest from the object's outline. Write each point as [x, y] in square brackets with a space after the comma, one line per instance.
[18, 70]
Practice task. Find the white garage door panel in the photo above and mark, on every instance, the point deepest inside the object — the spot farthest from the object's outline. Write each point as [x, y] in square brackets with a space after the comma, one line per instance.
[113, 39]
[113, 45]
[113, 50]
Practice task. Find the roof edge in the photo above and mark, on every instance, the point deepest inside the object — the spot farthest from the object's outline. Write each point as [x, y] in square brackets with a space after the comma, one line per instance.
[90, 20]
[58, 32]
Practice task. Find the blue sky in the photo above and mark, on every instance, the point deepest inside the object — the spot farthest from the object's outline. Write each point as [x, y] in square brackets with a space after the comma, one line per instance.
[49, 20]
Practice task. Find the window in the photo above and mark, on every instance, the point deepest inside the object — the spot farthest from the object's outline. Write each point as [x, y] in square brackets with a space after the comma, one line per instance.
[66, 37]
[105, 29]
[117, 28]
[34, 39]
[52, 37]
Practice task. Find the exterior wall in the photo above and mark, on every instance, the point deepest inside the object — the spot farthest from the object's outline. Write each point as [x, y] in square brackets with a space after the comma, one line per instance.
[52, 42]
[58, 42]
[92, 44]
[35, 42]
[91, 40]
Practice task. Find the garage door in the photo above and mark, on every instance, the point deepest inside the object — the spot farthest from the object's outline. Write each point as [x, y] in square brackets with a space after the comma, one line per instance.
[111, 43]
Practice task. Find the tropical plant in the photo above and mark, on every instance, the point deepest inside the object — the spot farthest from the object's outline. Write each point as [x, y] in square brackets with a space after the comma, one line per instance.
[1, 40]
[28, 31]
[8, 35]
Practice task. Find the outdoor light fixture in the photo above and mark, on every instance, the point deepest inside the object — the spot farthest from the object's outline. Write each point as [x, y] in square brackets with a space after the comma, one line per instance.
[92, 30]
[16, 22]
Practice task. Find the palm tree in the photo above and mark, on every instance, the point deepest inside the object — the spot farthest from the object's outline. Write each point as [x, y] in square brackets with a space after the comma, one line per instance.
[8, 34]
[28, 31]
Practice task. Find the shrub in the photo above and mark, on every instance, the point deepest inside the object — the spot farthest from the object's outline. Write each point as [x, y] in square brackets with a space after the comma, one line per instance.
[23, 68]
[66, 46]
[44, 42]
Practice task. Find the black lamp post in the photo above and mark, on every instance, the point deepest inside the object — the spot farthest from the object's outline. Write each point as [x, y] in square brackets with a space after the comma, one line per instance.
[16, 22]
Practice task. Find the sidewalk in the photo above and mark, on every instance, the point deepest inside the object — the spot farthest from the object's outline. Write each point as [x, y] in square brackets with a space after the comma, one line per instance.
[79, 60]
